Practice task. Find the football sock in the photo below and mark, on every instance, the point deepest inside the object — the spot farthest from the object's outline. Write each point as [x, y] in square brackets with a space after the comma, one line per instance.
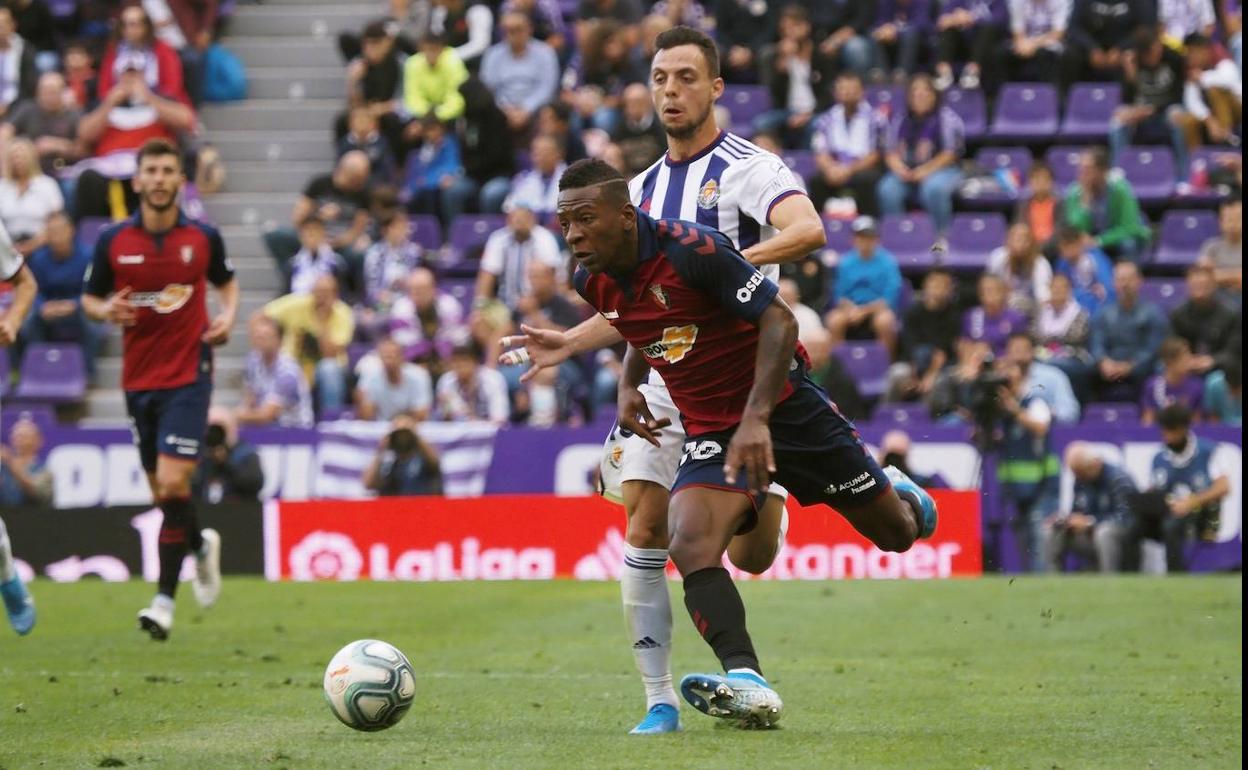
[648, 613]
[179, 532]
[715, 606]
[8, 570]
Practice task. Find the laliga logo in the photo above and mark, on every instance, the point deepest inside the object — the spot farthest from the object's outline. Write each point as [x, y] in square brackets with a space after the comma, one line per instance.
[325, 556]
[335, 556]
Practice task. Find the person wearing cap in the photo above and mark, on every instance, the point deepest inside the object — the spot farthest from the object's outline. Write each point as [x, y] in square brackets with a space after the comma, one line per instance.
[866, 290]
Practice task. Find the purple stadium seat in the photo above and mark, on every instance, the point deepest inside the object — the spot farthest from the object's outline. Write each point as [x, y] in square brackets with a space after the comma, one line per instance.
[1150, 170]
[89, 229]
[1166, 293]
[1016, 160]
[462, 289]
[524, 160]
[866, 363]
[909, 237]
[1089, 108]
[972, 237]
[970, 106]
[52, 374]
[840, 237]
[1210, 160]
[1025, 111]
[469, 232]
[1112, 412]
[902, 414]
[886, 99]
[1182, 234]
[425, 231]
[802, 162]
[356, 351]
[905, 296]
[41, 415]
[1064, 161]
[744, 103]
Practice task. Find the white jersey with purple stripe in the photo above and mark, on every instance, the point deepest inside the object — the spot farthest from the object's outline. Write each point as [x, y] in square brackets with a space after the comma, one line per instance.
[731, 185]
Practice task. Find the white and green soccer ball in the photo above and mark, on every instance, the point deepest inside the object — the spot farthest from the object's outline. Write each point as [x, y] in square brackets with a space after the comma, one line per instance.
[369, 685]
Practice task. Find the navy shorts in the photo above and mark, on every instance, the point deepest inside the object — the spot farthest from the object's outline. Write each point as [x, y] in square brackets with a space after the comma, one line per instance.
[819, 456]
[170, 422]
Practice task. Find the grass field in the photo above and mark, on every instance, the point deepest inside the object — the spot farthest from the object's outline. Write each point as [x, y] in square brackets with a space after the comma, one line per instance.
[996, 673]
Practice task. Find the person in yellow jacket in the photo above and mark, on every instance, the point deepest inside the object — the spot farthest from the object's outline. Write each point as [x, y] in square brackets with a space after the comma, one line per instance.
[431, 81]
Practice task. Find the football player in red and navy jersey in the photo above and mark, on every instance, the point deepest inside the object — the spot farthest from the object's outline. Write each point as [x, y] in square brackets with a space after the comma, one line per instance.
[150, 276]
[712, 325]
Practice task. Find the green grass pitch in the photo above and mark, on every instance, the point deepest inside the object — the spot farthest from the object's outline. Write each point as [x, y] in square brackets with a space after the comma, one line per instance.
[1080, 672]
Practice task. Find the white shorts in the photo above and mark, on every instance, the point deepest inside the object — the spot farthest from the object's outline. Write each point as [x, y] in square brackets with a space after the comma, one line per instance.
[632, 458]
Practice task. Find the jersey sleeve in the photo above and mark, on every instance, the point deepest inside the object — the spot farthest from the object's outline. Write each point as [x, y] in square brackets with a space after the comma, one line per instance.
[220, 269]
[764, 181]
[713, 265]
[99, 280]
[10, 258]
[492, 254]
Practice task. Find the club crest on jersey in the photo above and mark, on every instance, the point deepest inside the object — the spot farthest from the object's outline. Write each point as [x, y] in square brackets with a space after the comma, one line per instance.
[660, 295]
[188, 253]
[708, 196]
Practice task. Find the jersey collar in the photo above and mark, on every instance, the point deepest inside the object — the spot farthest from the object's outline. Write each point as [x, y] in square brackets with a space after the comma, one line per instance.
[697, 155]
[136, 219]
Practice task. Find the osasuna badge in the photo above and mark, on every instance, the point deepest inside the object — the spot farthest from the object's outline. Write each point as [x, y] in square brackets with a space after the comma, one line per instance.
[708, 196]
[188, 253]
[660, 295]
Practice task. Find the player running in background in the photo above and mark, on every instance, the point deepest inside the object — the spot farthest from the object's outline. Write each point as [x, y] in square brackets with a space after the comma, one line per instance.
[694, 309]
[722, 181]
[149, 276]
[17, 602]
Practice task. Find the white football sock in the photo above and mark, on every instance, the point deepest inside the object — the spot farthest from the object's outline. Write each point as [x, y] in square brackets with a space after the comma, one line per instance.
[165, 602]
[648, 613]
[7, 569]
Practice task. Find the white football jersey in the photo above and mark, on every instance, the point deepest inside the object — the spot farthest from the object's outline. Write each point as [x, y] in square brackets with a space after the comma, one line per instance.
[732, 185]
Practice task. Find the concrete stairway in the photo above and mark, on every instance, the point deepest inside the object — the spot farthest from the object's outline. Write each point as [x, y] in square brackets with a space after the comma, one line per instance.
[272, 144]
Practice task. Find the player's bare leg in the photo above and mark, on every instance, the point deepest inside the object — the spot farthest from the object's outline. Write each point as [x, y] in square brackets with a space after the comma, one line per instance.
[895, 519]
[647, 604]
[756, 550]
[703, 521]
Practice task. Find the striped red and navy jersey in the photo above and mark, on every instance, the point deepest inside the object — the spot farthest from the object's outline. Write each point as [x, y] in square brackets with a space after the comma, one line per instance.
[167, 274]
[691, 307]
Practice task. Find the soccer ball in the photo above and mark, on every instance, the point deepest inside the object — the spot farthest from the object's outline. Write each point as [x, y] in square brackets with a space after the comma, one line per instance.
[369, 685]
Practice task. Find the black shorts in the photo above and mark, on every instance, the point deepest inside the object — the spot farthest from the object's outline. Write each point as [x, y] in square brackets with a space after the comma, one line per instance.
[170, 422]
[819, 456]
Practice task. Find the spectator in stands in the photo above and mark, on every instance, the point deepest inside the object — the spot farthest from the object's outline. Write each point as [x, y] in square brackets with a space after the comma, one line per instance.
[375, 81]
[188, 27]
[799, 75]
[317, 329]
[638, 134]
[1175, 384]
[843, 29]
[434, 181]
[34, 20]
[613, 156]
[828, 372]
[1061, 329]
[922, 153]
[431, 83]
[1105, 208]
[847, 141]
[1203, 321]
[968, 31]
[1152, 101]
[24, 479]
[427, 323]
[1224, 395]
[1178, 20]
[951, 399]
[685, 13]
[1024, 269]
[404, 464]
[389, 386]
[1089, 271]
[867, 290]
[467, 25]
[1041, 208]
[1213, 94]
[522, 72]
[899, 37]
[1126, 335]
[387, 264]
[506, 257]
[538, 188]
[555, 119]
[1098, 39]
[17, 60]
[59, 268]
[608, 65]
[1028, 470]
[489, 156]
[929, 332]
[275, 391]
[80, 74]
[364, 135]
[1194, 482]
[1041, 379]
[340, 200]
[1225, 253]
[743, 29]
[1037, 40]
[27, 197]
[808, 320]
[993, 321]
[895, 451]
[470, 391]
[314, 258]
[50, 121]
[546, 17]
[627, 13]
[229, 469]
[1099, 516]
[138, 48]
[544, 307]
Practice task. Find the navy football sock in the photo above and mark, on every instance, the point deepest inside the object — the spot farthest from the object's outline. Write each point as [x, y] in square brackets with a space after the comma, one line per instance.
[179, 533]
[719, 615]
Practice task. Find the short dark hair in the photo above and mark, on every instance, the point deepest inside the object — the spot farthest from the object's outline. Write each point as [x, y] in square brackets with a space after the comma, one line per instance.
[1234, 200]
[938, 272]
[588, 172]
[795, 11]
[1144, 40]
[155, 148]
[1040, 167]
[1197, 40]
[375, 30]
[469, 349]
[1174, 417]
[850, 75]
[1099, 156]
[1172, 348]
[1021, 335]
[1069, 234]
[678, 36]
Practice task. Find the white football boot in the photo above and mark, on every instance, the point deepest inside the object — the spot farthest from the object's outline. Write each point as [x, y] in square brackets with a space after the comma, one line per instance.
[207, 582]
[157, 618]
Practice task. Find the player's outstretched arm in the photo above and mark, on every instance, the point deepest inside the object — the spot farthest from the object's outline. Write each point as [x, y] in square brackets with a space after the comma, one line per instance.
[751, 444]
[800, 233]
[544, 348]
[24, 288]
[115, 309]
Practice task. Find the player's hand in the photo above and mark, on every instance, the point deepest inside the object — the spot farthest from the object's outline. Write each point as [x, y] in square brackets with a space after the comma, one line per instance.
[751, 447]
[542, 348]
[8, 331]
[219, 330]
[120, 311]
[1182, 507]
[635, 415]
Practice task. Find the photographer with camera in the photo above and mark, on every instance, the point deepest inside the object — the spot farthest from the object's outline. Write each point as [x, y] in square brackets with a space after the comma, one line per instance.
[404, 464]
[1100, 512]
[229, 468]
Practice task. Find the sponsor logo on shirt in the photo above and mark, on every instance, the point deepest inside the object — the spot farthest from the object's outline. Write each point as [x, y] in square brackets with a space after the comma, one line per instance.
[611, 315]
[167, 300]
[130, 259]
[188, 253]
[746, 292]
[857, 485]
[674, 345]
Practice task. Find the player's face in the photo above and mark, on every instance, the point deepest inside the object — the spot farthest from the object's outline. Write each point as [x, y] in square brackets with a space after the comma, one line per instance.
[158, 181]
[683, 90]
[593, 228]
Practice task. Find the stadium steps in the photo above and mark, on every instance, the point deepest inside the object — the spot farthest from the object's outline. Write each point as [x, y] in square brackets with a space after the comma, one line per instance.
[242, 147]
[272, 115]
[298, 83]
[268, 176]
[273, 51]
[318, 21]
[251, 208]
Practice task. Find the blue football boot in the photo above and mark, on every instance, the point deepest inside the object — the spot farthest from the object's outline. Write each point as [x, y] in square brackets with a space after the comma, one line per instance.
[661, 718]
[19, 605]
[915, 495]
[746, 699]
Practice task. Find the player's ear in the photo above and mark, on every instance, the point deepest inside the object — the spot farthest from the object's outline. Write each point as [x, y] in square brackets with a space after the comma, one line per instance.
[628, 215]
[717, 89]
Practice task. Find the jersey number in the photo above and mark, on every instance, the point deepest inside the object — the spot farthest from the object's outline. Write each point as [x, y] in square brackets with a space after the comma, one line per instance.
[700, 450]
